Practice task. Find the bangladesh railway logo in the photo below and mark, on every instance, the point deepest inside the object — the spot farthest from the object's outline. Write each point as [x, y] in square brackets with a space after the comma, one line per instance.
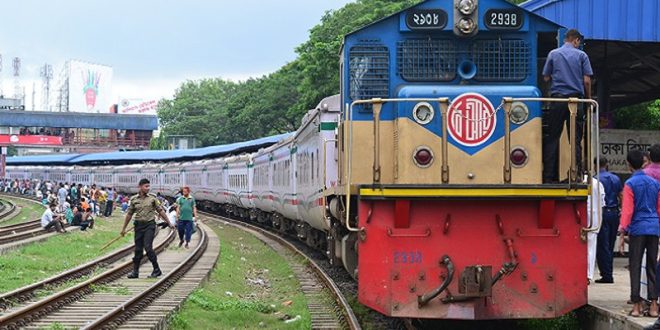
[471, 119]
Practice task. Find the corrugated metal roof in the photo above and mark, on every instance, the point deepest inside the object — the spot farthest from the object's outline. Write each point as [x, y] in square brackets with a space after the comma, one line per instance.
[169, 155]
[54, 159]
[78, 120]
[125, 157]
[623, 20]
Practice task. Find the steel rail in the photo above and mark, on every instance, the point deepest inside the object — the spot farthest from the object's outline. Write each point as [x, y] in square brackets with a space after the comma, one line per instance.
[346, 310]
[130, 308]
[5, 230]
[24, 316]
[28, 292]
[6, 211]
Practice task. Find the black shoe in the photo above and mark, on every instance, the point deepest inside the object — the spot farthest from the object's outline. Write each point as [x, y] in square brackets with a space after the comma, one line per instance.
[180, 243]
[155, 273]
[602, 280]
[133, 275]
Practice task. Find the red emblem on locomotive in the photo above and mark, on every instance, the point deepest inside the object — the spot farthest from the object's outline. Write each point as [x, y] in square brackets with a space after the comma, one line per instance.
[471, 119]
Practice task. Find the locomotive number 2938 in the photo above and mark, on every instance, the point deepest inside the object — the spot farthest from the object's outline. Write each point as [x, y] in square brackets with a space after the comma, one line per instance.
[509, 19]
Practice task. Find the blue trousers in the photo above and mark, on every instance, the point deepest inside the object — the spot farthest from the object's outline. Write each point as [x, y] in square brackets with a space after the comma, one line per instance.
[185, 227]
[606, 241]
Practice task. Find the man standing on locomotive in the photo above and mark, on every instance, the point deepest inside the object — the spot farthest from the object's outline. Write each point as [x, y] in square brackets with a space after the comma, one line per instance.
[570, 71]
[144, 206]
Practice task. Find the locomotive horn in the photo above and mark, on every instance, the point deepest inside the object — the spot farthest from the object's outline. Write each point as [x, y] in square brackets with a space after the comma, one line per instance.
[466, 69]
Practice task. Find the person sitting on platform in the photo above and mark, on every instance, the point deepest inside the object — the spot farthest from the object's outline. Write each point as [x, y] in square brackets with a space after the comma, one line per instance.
[639, 219]
[87, 220]
[49, 220]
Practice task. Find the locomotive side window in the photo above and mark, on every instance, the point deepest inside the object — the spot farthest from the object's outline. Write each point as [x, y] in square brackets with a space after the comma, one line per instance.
[369, 71]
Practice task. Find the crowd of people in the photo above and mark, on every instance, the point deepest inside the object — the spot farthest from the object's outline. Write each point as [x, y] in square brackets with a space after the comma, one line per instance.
[629, 210]
[78, 205]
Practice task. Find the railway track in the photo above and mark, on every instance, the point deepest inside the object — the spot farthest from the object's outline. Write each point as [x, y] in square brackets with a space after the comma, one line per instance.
[316, 285]
[6, 208]
[108, 300]
[22, 231]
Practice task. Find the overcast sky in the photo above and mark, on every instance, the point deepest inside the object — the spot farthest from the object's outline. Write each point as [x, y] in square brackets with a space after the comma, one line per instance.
[155, 45]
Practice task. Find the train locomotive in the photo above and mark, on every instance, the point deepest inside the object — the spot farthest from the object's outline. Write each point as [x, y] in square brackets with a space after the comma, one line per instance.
[423, 177]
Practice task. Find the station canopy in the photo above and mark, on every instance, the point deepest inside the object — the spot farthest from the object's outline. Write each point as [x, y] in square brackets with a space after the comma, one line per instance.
[622, 39]
[15, 118]
[132, 157]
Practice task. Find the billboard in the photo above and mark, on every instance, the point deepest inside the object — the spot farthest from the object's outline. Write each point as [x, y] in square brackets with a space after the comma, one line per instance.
[90, 87]
[137, 107]
[30, 140]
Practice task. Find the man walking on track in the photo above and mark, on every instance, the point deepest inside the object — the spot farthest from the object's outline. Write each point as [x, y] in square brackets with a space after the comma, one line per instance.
[144, 206]
[186, 214]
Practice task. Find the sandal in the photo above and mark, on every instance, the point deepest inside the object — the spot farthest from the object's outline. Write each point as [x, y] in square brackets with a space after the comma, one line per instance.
[633, 315]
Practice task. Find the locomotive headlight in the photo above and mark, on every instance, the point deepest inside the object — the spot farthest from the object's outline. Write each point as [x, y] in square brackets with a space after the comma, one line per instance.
[423, 113]
[466, 7]
[466, 25]
[519, 113]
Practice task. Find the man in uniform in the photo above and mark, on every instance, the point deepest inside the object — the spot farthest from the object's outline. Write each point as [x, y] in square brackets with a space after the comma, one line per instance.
[570, 71]
[144, 206]
[610, 225]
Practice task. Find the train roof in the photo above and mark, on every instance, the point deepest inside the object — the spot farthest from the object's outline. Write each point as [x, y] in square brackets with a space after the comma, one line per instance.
[442, 3]
[129, 157]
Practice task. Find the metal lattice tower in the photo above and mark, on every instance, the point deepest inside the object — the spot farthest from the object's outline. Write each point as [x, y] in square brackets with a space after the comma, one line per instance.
[17, 79]
[46, 77]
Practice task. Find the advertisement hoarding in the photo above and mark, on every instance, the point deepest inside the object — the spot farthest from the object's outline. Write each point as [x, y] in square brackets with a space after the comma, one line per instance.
[90, 87]
[31, 140]
[137, 107]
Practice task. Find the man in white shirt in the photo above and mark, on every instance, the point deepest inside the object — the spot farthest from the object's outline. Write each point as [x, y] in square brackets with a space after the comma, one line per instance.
[48, 220]
[595, 203]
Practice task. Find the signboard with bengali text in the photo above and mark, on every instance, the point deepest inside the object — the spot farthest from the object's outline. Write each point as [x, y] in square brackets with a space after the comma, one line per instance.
[137, 107]
[615, 144]
[30, 140]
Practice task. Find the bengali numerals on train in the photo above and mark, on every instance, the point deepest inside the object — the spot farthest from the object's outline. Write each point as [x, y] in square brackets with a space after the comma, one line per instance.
[407, 257]
[426, 19]
[504, 19]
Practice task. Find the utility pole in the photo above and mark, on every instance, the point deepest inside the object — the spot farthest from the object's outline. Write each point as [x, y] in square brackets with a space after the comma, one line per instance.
[17, 79]
[1, 94]
[46, 76]
[34, 91]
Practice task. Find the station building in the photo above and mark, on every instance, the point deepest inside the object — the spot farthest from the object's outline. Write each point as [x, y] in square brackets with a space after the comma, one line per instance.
[38, 132]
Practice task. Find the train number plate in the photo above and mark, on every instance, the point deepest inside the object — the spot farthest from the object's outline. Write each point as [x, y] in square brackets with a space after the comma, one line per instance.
[504, 19]
[426, 19]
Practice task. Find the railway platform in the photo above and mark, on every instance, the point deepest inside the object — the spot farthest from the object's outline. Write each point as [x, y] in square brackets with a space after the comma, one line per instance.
[608, 308]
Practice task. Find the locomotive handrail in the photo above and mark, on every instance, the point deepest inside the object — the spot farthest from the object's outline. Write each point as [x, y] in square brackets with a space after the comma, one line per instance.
[572, 177]
[325, 176]
[378, 102]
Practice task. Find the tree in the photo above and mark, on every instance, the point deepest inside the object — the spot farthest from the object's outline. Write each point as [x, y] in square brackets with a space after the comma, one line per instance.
[643, 116]
[217, 111]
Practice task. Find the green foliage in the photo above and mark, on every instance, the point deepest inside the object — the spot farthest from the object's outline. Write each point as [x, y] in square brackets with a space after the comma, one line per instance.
[643, 116]
[218, 111]
[229, 301]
